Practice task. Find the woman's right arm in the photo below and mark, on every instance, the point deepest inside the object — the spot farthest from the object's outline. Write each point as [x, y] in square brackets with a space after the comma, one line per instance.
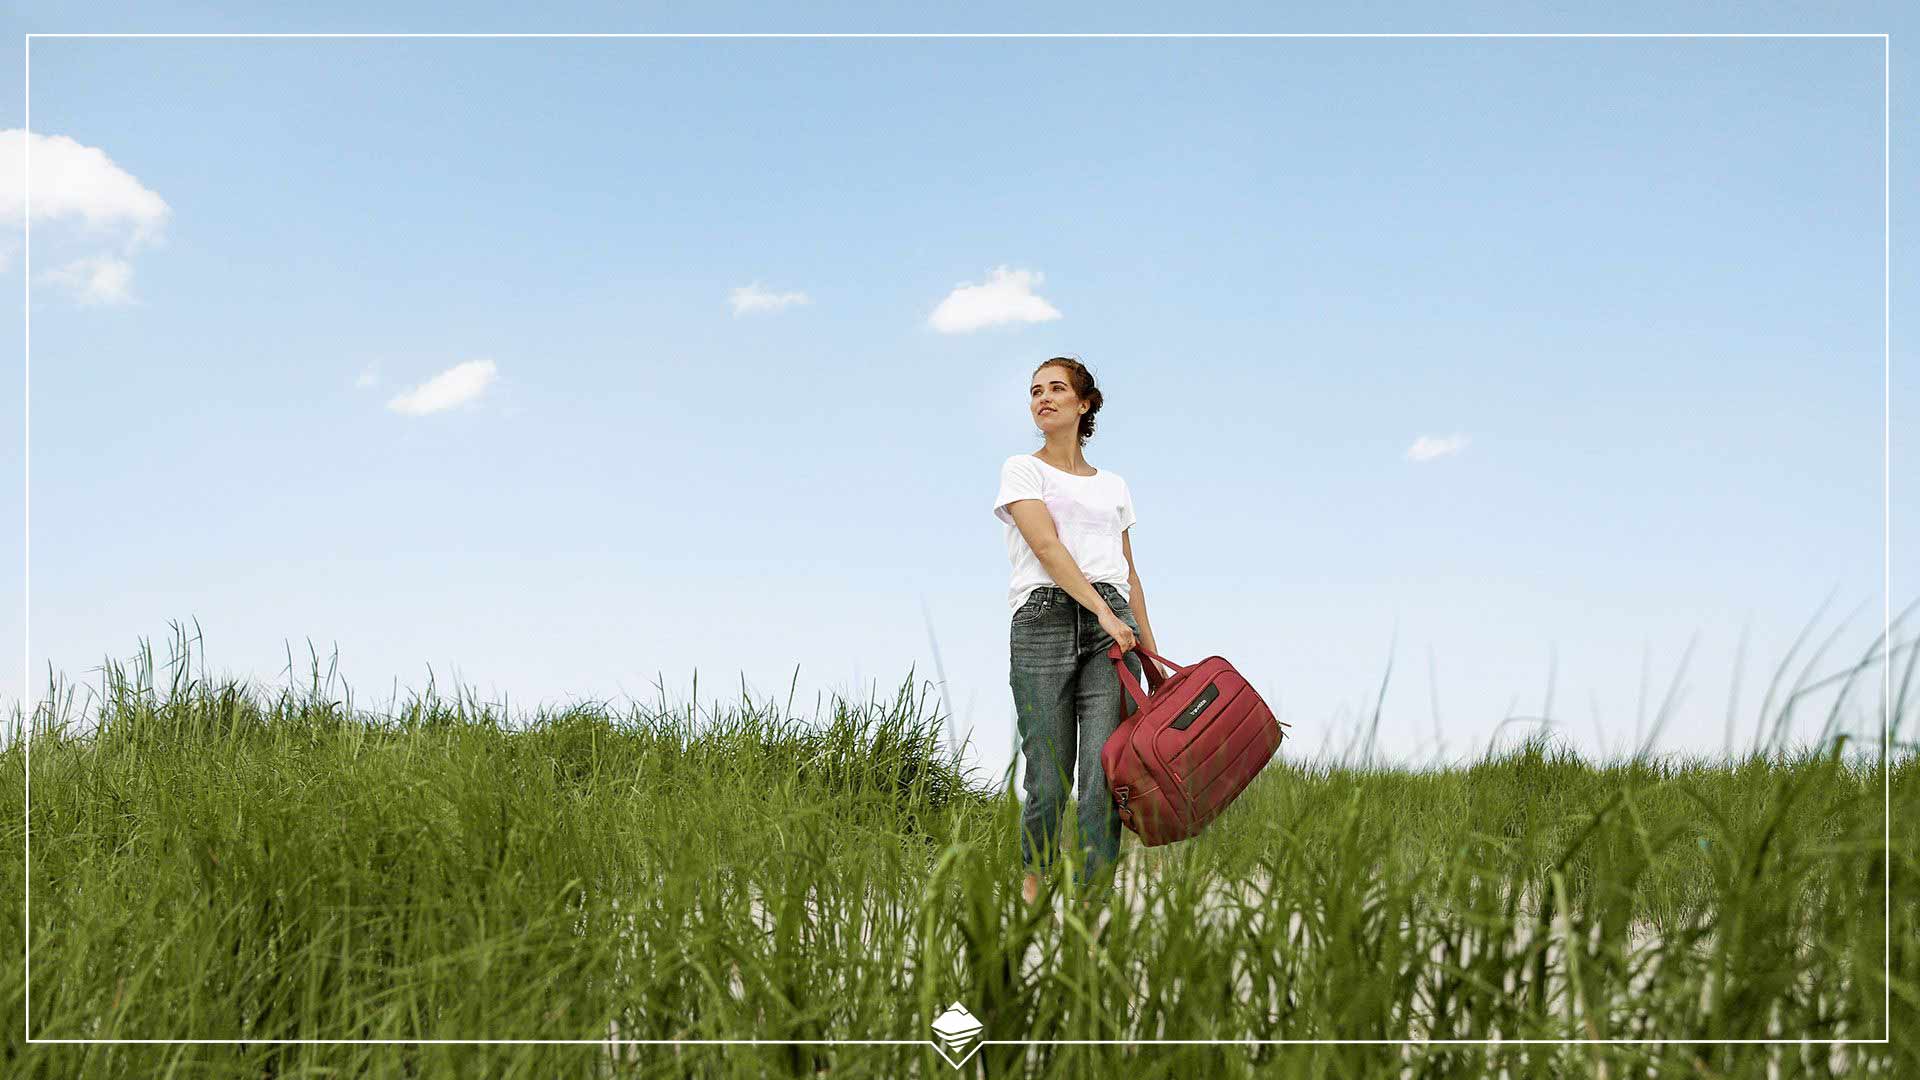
[1036, 525]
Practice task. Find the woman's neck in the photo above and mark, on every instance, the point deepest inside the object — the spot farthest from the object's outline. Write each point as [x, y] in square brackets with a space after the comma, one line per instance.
[1065, 453]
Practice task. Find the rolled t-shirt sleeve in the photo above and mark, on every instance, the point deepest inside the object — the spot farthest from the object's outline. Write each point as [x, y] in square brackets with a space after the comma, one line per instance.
[1126, 506]
[1019, 479]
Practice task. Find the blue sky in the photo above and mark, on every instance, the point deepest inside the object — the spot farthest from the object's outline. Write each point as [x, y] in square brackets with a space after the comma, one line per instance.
[1636, 283]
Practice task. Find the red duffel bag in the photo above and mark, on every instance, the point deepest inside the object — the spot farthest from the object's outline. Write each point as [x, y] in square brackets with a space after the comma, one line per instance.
[1192, 746]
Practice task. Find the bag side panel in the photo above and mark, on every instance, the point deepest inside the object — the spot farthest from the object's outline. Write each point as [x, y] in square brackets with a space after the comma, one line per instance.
[1130, 767]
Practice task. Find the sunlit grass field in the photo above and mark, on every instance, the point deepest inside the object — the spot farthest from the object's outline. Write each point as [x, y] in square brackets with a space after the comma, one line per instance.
[214, 862]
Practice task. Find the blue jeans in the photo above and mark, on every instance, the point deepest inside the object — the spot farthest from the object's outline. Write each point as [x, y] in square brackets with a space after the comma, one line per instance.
[1069, 701]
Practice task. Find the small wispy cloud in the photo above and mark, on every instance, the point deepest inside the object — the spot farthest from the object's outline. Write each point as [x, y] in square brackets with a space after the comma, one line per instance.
[1428, 447]
[95, 279]
[749, 299]
[1007, 296]
[457, 385]
[366, 378]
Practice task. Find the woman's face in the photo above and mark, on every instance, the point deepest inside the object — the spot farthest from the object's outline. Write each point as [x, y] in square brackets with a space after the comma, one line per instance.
[1052, 402]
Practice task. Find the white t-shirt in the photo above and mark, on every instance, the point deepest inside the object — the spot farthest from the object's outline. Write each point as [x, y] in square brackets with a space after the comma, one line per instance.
[1089, 514]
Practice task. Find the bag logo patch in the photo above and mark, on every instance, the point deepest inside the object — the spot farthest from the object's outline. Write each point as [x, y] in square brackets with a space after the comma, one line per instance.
[1192, 712]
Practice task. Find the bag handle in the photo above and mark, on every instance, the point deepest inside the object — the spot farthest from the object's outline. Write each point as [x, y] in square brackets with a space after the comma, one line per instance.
[1154, 679]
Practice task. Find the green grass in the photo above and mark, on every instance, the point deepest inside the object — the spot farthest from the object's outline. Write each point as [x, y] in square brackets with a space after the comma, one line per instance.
[212, 862]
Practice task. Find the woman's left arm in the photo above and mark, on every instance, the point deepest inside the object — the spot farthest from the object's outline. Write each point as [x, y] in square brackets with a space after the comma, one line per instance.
[1137, 597]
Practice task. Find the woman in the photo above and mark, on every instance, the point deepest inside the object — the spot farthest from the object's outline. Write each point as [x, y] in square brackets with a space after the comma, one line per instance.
[1074, 593]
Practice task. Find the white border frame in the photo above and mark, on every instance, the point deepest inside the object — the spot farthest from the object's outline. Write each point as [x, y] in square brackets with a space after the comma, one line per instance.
[1886, 570]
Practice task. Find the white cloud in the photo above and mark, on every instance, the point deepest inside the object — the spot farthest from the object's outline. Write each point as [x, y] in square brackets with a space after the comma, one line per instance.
[95, 279]
[1428, 447]
[1006, 297]
[751, 298]
[89, 214]
[73, 180]
[457, 385]
[366, 378]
